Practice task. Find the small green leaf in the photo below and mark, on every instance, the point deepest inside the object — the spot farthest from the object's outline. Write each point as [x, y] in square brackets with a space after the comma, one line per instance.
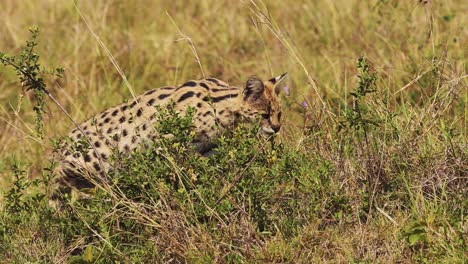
[88, 254]
[414, 238]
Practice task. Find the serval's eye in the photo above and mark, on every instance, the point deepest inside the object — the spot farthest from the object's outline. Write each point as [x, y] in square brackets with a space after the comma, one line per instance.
[265, 116]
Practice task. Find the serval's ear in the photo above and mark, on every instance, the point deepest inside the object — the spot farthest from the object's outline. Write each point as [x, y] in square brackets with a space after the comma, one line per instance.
[276, 81]
[253, 88]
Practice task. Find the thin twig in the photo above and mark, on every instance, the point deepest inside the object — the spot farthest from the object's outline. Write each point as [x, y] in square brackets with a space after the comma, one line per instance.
[276, 31]
[35, 84]
[386, 215]
[192, 46]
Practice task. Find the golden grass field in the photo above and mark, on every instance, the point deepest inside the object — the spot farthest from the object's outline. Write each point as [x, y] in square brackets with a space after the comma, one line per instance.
[111, 49]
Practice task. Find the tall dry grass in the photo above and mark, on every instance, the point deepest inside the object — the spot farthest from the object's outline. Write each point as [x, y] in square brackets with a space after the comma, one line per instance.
[113, 49]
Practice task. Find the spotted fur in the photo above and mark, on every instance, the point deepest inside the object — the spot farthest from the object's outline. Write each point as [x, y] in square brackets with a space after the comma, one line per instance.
[130, 125]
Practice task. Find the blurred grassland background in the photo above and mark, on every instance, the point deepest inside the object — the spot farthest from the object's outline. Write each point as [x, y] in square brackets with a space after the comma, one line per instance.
[416, 48]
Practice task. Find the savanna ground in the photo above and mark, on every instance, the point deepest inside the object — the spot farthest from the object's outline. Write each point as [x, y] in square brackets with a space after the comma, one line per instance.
[370, 165]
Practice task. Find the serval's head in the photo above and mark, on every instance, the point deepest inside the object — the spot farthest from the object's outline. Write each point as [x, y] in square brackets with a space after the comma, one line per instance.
[260, 99]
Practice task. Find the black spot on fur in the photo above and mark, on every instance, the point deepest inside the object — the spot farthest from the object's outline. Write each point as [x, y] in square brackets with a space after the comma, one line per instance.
[115, 112]
[134, 139]
[213, 80]
[122, 119]
[107, 120]
[104, 114]
[204, 85]
[87, 158]
[127, 148]
[207, 113]
[109, 130]
[123, 108]
[139, 112]
[150, 92]
[97, 144]
[124, 133]
[222, 98]
[134, 103]
[76, 179]
[199, 105]
[216, 81]
[151, 102]
[167, 88]
[185, 96]
[100, 124]
[215, 90]
[221, 112]
[96, 166]
[162, 96]
[76, 155]
[144, 127]
[189, 84]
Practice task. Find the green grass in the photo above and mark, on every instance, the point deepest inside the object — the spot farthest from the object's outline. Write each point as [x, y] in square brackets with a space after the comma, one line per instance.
[370, 165]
